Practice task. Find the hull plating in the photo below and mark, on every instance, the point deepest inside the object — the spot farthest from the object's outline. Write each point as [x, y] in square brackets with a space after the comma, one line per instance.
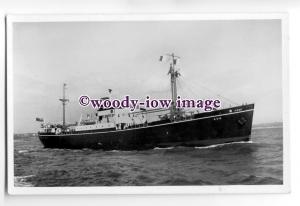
[223, 126]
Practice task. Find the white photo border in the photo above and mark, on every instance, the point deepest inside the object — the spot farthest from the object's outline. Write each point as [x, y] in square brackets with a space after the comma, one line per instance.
[215, 189]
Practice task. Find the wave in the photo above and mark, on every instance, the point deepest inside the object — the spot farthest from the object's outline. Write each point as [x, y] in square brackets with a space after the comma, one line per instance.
[22, 181]
[115, 150]
[158, 148]
[23, 151]
[224, 144]
[205, 147]
[267, 127]
[184, 182]
[256, 180]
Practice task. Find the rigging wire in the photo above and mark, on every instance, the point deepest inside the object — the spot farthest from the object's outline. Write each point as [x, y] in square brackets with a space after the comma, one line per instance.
[208, 90]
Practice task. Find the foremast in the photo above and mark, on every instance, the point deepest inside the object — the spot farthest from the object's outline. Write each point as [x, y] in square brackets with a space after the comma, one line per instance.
[64, 101]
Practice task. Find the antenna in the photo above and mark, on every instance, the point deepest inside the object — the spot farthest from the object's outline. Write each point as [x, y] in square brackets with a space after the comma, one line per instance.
[64, 101]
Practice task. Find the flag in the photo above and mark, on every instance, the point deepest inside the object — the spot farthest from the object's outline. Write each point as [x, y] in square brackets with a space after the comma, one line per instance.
[164, 58]
[39, 119]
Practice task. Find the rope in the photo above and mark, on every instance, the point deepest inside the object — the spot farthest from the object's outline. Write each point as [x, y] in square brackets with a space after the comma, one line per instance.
[211, 91]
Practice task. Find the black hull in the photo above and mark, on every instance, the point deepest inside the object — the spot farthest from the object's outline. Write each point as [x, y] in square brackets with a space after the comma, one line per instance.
[222, 126]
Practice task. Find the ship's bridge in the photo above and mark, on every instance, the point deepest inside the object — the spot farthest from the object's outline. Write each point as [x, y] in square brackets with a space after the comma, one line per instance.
[122, 118]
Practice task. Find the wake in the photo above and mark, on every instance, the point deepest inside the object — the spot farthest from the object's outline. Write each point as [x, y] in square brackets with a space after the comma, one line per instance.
[224, 144]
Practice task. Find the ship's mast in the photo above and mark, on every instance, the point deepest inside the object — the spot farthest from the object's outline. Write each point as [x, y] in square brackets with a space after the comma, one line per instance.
[174, 74]
[64, 101]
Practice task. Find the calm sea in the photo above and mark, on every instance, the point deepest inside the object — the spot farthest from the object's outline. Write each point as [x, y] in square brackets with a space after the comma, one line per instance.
[246, 163]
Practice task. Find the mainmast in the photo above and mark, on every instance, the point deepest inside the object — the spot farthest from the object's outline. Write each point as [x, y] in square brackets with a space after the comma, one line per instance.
[64, 101]
[174, 74]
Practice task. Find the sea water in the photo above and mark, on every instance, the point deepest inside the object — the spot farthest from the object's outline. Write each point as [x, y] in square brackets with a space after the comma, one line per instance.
[257, 162]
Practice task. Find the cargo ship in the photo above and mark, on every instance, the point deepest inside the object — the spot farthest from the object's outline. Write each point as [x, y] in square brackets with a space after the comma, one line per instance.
[120, 129]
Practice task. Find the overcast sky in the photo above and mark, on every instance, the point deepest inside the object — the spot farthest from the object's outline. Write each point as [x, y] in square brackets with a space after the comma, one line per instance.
[240, 60]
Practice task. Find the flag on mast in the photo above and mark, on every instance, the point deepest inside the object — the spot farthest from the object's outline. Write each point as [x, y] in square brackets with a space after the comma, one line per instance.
[164, 58]
[38, 119]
